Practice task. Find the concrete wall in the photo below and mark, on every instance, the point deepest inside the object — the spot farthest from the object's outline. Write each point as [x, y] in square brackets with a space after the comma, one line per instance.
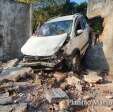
[14, 28]
[101, 8]
[101, 55]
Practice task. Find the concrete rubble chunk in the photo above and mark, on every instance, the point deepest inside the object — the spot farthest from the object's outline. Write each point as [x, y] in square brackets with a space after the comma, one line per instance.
[11, 63]
[6, 100]
[22, 107]
[59, 76]
[55, 94]
[64, 105]
[109, 96]
[14, 73]
[4, 95]
[92, 77]
[72, 80]
[63, 85]
[87, 97]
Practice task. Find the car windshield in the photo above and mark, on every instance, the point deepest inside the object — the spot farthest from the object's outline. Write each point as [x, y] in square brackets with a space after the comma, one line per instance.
[55, 28]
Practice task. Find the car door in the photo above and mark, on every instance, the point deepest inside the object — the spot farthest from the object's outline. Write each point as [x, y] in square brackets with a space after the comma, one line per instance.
[80, 38]
[86, 30]
[81, 34]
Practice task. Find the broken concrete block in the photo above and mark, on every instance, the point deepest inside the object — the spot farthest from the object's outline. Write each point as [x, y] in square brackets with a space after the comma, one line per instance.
[7, 108]
[11, 63]
[59, 76]
[109, 96]
[87, 97]
[72, 80]
[14, 73]
[92, 77]
[55, 94]
[64, 105]
[63, 85]
[22, 107]
[4, 95]
[6, 100]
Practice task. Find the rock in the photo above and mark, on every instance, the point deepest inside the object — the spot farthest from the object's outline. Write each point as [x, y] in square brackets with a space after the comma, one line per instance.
[22, 107]
[72, 80]
[56, 107]
[59, 76]
[101, 109]
[14, 74]
[64, 105]
[63, 111]
[87, 97]
[92, 77]
[112, 109]
[4, 95]
[109, 96]
[6, 100]
[14, 86]
[11, 63]
[55, 94]
[7, 108]
[63, 85]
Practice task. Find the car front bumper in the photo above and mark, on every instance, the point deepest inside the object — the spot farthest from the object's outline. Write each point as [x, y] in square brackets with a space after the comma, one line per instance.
[41, 62]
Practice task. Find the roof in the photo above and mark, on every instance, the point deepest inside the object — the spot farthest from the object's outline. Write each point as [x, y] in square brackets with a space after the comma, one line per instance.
[62, 18]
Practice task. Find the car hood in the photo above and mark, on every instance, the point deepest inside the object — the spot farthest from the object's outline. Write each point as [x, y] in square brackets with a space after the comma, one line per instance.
[43, 46]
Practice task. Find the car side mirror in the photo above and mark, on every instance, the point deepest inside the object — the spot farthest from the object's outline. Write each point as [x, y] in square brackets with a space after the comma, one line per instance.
[79, 31]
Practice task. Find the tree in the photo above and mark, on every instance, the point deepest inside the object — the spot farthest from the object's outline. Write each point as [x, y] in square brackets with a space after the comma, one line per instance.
[54, 8]
[27, 1]
[82, 8]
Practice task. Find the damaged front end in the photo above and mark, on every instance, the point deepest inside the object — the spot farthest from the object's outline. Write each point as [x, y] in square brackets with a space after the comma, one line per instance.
[44, 52]
[43, 63]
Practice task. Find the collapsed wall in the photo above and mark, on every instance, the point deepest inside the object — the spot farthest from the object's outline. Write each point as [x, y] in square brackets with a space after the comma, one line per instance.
[14, 28]
[100, 57]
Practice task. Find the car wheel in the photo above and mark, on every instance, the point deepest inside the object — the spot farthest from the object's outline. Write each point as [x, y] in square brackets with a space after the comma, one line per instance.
[66, 66]
[76, 62]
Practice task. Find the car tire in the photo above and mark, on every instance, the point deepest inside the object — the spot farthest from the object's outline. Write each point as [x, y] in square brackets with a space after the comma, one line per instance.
[76, 62]
[72, 63]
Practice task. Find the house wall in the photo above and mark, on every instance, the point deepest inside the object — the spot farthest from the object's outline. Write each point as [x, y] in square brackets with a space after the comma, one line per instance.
[100, 57]
[14, 28]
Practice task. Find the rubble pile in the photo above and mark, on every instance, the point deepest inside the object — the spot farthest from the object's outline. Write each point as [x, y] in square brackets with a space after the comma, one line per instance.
[23, 90]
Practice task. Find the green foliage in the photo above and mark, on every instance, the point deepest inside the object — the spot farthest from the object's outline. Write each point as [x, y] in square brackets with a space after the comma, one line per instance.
[96, 24]
[27, 1]
[82, 8]
[41, 15]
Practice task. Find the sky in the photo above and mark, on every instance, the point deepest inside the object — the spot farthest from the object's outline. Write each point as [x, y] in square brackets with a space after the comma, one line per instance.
[79, 1]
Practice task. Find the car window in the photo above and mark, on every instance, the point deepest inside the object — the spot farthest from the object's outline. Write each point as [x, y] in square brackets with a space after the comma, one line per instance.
[55, 28]
[78, 26]
[83, 23]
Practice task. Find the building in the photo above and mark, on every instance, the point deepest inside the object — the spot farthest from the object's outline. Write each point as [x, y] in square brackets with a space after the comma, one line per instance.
[15, 28]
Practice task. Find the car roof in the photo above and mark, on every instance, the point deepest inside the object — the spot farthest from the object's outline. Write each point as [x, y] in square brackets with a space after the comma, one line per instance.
[63, 18]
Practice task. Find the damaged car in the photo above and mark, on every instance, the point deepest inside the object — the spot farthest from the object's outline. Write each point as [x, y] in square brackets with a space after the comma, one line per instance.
[59, 42]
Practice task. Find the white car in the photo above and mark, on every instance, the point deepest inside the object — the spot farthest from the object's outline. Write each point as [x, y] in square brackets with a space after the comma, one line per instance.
[59, 40]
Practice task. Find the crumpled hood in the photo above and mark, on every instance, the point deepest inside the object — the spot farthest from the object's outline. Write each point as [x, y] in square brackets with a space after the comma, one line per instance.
[43, 46]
